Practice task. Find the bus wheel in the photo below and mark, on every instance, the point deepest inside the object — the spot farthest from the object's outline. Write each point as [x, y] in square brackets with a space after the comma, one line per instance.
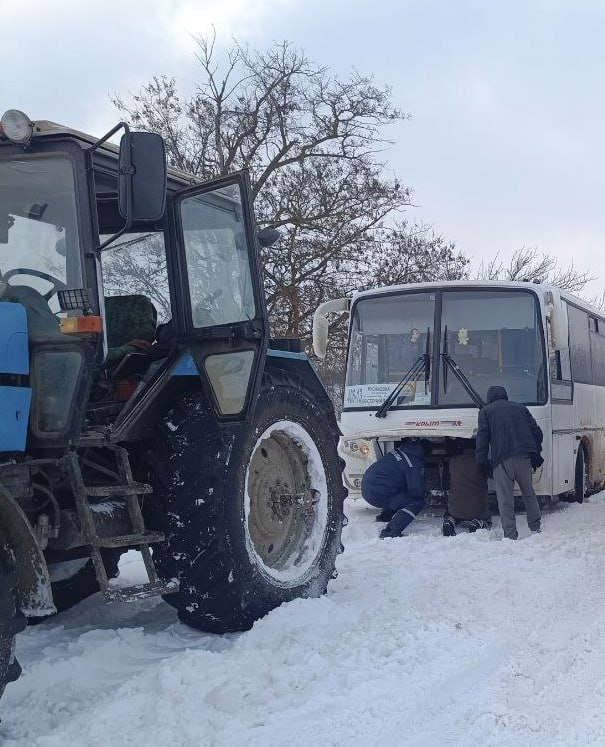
[581, 484]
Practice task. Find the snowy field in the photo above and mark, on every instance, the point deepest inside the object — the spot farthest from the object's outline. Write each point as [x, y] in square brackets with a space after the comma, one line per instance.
[421, 641]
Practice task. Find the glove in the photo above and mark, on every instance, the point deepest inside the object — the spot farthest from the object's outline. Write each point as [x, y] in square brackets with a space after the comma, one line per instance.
[536, 461]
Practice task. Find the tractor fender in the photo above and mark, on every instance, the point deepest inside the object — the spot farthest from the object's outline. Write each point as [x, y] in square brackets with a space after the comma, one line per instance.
[299, 365]
[34, 593]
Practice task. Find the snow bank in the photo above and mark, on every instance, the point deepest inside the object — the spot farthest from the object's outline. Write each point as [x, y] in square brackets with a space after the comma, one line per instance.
[422, 640]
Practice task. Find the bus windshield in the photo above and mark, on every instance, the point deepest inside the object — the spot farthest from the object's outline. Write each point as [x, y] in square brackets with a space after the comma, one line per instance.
[38, 226]
[493, 335]
[388, 334]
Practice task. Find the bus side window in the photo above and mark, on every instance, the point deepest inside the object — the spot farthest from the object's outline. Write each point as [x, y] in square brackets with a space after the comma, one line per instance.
[579, 345]
[597, 351]
[563, 365]
[560, 363]
[560, 372]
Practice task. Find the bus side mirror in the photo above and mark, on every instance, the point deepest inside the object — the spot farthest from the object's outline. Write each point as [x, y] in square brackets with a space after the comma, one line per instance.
[142, 179]
[559, 331]
[321, 326]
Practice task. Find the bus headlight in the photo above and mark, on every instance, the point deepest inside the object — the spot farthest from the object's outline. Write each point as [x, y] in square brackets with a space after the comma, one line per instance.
[16, 127]
[357, 448]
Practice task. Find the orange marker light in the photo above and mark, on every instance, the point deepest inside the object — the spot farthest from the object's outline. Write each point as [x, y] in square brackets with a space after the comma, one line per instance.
[82, 325]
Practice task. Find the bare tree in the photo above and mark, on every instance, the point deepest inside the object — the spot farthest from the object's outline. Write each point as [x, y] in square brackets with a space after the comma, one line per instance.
[413, 253]
[531, 264]
[312, 143]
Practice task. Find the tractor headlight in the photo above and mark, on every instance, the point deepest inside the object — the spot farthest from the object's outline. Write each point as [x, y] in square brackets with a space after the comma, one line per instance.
[16, 126]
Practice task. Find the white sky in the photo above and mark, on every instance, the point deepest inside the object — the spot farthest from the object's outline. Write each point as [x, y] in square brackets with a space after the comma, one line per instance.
[505, 146]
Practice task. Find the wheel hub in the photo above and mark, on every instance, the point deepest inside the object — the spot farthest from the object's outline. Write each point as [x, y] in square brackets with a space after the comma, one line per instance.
[283, 502]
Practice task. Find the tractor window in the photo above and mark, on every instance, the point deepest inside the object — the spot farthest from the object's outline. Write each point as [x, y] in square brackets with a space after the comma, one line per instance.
[39, 244]
[136, 265]
[218, 264]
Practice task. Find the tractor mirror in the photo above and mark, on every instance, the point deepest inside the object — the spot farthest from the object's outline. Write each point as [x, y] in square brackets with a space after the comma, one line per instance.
[267, 236]
[142, 181]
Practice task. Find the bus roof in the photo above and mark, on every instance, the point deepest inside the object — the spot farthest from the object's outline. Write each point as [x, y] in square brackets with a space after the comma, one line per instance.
[540, 288]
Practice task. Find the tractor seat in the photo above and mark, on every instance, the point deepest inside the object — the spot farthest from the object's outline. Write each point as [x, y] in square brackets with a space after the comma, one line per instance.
[131, 324]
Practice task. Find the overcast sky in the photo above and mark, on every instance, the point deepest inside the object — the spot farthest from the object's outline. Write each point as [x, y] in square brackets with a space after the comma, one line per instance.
[505, 145]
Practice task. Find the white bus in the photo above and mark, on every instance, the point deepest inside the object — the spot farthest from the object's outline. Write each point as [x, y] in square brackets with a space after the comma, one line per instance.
[421, 358]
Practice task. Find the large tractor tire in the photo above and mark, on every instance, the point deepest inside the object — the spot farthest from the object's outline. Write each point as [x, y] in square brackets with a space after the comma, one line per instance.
[254, 516]
[11, 620]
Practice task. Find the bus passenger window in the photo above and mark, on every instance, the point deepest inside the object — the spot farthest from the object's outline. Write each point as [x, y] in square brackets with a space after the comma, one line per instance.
[561, 371]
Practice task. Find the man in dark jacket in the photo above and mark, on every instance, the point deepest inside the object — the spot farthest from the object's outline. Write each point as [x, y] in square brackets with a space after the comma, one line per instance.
[515, 440]
[395, 483]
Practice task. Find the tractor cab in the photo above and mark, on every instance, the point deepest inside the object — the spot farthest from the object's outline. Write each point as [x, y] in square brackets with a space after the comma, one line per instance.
[121, 264]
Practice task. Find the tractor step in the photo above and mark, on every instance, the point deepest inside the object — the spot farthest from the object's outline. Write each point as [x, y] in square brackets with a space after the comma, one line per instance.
[118, 491]
[128, 540]
[140, 591]
[128, 492]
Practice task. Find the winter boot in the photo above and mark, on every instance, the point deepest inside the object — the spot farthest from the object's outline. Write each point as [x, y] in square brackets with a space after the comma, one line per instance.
[449, 526]
[385, 515]
[398, 523]
[475, 524]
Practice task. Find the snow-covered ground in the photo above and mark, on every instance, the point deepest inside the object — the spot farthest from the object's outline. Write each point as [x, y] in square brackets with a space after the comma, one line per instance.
[421, 641]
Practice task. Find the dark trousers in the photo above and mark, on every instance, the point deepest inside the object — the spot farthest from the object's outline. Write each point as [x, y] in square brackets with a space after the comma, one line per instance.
[395, 499]
[516, 469]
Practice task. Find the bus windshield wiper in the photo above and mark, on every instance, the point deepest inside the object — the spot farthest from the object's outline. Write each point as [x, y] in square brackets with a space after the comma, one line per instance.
[450, 363]
[422, 363]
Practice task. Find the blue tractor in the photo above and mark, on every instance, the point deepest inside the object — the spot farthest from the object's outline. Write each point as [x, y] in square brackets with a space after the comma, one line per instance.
[189, 436]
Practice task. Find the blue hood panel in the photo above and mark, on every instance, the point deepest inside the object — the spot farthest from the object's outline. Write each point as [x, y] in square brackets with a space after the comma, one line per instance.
[14, 349]
[15, 401]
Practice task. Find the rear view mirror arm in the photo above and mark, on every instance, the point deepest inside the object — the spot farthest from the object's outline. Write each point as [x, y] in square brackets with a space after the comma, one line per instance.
[128, 172]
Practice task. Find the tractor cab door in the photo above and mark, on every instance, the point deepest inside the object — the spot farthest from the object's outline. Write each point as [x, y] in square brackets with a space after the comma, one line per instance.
[220, 304]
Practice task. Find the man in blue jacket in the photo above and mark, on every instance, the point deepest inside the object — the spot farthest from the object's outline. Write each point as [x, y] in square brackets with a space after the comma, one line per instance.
[510, 434]
[395, 483]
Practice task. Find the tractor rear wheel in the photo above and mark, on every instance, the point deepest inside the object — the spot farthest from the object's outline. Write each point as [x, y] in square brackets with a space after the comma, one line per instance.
[11, 620]
[255, 516]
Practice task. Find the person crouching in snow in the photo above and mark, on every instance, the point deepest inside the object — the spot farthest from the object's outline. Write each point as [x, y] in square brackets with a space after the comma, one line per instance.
[395, 483]
[467, 501]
